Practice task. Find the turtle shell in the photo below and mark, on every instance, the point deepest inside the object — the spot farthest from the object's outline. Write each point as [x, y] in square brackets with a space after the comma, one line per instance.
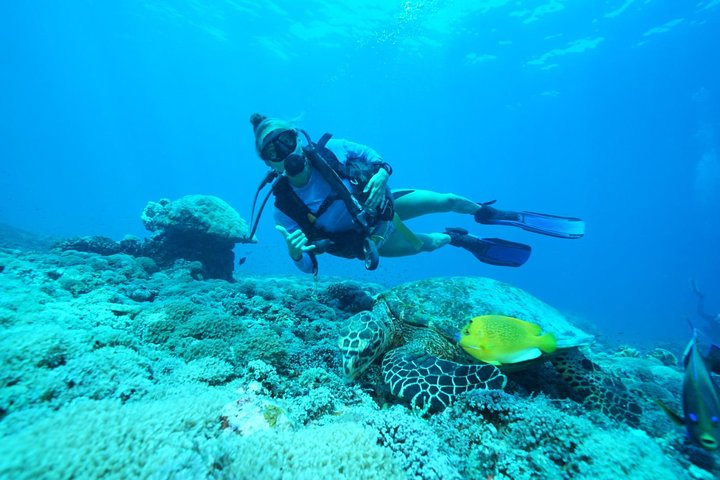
[413, 327]
[447, 304]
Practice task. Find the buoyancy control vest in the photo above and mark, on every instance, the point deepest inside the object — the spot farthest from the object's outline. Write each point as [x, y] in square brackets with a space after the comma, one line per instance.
[356, 243]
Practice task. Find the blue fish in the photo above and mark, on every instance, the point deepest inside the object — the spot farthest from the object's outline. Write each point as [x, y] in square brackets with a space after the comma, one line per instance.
[700, 399]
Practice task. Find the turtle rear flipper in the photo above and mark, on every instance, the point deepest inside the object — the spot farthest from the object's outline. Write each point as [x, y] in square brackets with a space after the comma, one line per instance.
[597, 389]
[429, 382]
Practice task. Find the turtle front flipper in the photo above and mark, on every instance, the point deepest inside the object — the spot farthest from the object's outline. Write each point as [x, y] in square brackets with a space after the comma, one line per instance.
[429, 382]
[595, 388]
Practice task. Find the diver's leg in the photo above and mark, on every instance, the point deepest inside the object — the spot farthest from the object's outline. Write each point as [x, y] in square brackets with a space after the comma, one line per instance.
[399, 246]
[414, 203]
[492, 251]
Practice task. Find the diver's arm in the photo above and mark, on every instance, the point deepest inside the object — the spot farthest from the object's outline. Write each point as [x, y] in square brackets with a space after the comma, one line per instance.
[357, 150]
[375, 189]
[298, 249]
[304, 264]
[296, 241]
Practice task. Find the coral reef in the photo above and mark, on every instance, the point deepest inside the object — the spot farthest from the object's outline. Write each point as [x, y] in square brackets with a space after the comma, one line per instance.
[198, 228]
[119, 366]
[195, 214]
[666, 358]
[195, 227]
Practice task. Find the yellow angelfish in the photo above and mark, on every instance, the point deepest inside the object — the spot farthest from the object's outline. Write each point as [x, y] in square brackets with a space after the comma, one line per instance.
[497, 339]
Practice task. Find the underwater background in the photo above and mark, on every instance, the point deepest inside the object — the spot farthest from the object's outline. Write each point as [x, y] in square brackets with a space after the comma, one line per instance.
[609, 111]
[606, 110]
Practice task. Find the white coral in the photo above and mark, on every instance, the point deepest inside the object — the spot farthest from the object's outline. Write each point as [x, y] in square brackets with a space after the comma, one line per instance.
[249, 413]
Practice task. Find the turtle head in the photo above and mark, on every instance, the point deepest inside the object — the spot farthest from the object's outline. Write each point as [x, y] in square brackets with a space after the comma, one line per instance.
[366, 337]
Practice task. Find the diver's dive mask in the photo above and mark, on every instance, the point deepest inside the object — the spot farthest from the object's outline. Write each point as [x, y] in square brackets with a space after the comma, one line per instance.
[283, 146]
[278, 144]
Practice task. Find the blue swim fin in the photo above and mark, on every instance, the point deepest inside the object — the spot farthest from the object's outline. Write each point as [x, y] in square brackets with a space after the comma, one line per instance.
[553, 225]
[494, 251]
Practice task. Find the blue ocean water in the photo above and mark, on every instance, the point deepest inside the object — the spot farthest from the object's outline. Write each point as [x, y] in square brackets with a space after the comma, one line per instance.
[605, 110]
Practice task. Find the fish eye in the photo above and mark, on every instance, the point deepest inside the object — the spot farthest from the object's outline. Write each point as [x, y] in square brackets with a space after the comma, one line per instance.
[693, 417]
[714, 419]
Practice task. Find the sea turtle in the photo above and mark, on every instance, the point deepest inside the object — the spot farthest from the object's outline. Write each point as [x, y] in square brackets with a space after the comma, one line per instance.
[414, 327]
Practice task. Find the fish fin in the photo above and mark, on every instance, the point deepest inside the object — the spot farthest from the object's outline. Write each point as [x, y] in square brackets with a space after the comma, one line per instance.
[472, 347]
[670, 413]
[689, 348]
[547, 343]
[477, 352]
[520, 356]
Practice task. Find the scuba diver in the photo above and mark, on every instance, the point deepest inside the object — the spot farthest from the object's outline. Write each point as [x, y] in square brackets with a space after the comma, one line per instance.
[332, 196]
[713, 321]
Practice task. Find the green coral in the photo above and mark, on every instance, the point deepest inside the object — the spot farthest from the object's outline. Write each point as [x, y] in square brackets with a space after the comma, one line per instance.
[271, 413]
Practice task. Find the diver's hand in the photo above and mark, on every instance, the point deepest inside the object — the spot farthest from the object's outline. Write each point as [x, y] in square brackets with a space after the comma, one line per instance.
[376, 186]
[296, 242]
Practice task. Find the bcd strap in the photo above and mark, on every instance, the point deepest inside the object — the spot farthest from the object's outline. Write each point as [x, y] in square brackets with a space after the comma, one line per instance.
[339, 188]
[329, 200]
[324, 139]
